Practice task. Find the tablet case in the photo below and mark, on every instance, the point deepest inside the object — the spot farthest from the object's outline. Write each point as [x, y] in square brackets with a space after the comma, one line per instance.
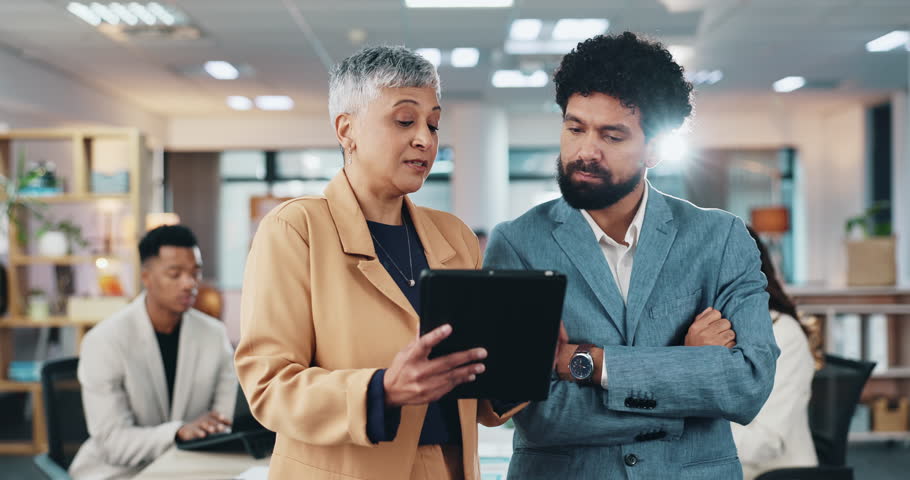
[514, 314]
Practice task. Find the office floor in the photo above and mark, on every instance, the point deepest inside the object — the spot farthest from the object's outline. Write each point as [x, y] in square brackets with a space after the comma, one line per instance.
[870, 462]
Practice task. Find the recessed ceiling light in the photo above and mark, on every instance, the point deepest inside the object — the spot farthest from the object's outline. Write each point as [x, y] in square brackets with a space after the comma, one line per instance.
[221, 70]
[127, 16]
[539, 47]
[579, 28]
[517, 79]
[889, 41]
[142, 13]
[458, 3]
[789, 84]
[465, 57]
[714, 76]
[274, 102]
[239, 102]
[165, 16]
[525, 29]
[433, 55]
[85, 13]
[106, 14]
[702, 77]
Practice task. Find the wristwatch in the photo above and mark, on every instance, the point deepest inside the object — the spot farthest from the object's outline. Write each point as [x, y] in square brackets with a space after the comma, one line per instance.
[581, 366]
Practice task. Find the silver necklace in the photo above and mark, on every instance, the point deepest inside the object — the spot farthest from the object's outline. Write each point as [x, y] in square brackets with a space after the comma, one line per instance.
[407, 233]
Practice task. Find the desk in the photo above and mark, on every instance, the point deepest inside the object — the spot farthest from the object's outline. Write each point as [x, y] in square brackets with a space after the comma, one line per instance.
[186, 465]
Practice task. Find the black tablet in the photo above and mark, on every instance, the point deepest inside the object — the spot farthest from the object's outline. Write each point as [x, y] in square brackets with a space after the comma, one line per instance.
[514, 314]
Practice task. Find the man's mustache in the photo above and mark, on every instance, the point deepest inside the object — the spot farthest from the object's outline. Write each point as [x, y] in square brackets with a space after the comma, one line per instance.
[591, 168]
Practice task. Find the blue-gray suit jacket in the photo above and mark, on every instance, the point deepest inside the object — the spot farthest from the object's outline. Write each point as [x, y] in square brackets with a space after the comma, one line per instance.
[666, 412]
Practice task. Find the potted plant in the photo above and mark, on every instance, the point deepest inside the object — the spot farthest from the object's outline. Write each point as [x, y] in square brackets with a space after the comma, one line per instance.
[871, 248]
[17, 205]
[56, 239]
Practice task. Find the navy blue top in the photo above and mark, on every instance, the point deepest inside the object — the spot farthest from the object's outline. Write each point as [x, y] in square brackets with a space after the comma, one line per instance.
[441, 424]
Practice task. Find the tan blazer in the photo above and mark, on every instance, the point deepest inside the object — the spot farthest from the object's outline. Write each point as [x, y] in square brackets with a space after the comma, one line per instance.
[124, 391]
[319, 316]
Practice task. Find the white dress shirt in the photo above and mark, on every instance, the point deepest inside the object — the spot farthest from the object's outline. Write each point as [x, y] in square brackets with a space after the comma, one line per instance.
[620, 257]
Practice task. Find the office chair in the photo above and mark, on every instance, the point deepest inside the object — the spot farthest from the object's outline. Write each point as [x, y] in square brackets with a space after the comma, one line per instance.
[836, 391]
[65, 422]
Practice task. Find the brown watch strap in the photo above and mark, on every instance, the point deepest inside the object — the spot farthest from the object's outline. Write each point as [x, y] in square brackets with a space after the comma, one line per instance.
[584, 348]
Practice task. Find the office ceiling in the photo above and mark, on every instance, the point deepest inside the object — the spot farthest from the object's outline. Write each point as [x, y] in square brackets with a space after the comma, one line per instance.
[286, 45]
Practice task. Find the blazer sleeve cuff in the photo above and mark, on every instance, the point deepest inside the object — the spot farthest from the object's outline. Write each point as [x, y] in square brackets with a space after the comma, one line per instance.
[382, 421]
[358, 385]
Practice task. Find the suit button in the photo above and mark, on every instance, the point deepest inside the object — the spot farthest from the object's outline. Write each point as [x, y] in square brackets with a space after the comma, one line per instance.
[631, 460]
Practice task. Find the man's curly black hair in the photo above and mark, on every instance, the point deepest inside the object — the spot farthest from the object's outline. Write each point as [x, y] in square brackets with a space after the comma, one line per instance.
[639, 73]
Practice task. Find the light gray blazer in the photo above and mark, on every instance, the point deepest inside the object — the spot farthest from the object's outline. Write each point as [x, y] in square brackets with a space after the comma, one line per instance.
[668, 408]
[124, 391]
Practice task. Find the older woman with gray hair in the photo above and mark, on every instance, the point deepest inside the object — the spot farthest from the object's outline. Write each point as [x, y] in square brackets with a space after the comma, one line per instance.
[329, 355]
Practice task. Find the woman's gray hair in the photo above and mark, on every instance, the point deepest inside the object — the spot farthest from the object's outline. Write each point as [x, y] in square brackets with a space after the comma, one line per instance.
[357, 80]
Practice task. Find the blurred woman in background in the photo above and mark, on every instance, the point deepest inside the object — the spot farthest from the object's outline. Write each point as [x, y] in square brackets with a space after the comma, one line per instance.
[779, 436]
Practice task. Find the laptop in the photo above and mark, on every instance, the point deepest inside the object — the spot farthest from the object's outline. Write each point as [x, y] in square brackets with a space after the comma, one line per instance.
[514, 314]
[246, 435]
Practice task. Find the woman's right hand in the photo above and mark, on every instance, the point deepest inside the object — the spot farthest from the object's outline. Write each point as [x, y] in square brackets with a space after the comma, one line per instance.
[414, 379]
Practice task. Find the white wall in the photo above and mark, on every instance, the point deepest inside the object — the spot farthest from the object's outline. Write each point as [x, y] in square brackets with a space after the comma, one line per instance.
[242, 130]
[249, 130]
[829, 135]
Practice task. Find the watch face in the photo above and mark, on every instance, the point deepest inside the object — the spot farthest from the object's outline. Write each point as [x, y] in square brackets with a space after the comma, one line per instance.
[581, 367]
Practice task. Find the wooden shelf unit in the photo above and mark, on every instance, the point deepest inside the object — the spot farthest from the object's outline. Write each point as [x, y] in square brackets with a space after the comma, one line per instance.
[79, 198]
[877, 437]
[137, 199]
[894, 304]
[66, 260]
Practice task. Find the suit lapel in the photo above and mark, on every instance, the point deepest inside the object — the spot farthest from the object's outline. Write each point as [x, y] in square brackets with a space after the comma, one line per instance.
[373, 270]
[577, 240]
[187, 351]
[657, 234]
[355, 240]
[437, 248]
[151, 355]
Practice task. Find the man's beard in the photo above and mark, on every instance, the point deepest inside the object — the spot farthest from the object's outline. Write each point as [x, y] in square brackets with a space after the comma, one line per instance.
[593, 196]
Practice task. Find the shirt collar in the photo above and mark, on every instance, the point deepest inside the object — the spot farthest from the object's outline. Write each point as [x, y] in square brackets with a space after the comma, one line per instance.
[632, 233]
